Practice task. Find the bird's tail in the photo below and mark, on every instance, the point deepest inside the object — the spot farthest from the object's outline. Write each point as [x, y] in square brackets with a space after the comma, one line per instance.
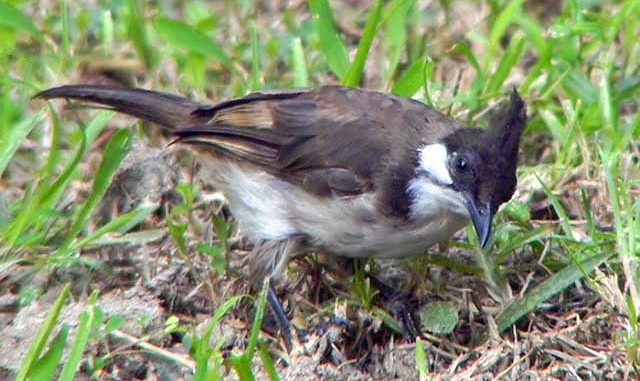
[166, 110]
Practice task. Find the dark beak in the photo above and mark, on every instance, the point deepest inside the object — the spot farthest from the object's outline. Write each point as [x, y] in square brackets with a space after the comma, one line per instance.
[481, 218]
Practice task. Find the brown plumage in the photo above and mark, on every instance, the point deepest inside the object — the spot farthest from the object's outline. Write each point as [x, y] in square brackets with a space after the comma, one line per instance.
[346, 160]
[330, 140]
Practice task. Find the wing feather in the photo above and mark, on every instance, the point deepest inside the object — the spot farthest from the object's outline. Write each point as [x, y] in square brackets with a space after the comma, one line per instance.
[331, 140]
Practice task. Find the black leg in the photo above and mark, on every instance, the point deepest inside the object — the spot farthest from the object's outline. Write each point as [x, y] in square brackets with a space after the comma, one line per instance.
[398, 306]
[280, 315]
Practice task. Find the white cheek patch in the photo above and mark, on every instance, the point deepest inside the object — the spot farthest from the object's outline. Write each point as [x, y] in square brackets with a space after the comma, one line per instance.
[431, 201]
[433, 159]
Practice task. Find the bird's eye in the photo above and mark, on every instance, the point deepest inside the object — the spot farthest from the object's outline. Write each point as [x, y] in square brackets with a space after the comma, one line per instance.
[461, 164]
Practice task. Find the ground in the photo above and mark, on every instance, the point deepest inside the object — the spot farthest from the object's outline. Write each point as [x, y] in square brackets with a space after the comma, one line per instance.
[554, 297]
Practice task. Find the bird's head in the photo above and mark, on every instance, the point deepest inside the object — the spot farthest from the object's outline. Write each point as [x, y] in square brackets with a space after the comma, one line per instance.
[474, 168]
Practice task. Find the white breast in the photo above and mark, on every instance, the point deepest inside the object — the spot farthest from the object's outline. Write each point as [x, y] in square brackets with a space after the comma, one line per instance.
[272, 209]
[260, 201]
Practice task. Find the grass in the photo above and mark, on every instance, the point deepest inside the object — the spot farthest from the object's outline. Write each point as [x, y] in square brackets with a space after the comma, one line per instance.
[577, 66]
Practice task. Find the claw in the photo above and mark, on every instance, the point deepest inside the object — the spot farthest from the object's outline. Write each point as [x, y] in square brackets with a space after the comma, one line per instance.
[399, 307]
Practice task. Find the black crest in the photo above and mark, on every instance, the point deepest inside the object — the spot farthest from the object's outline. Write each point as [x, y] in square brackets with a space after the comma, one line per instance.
[506, 132]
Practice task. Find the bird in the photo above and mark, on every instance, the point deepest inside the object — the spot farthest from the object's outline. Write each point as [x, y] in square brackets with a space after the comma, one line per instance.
[347, 171]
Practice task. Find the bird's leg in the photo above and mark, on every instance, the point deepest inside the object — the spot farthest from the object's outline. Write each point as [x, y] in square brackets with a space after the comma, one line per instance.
[269, 259]
[279, 315]
[399, 306]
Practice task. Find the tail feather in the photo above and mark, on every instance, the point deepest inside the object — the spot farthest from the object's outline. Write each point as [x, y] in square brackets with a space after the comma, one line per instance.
[164, 109]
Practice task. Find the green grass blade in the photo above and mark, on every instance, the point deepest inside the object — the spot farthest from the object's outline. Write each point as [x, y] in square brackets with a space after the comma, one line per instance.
[411, 80]
[192, 40]
[395, 7]
[66, 38]
[201, 352]
[86, 321]
[588, 214]
[464, 49]
[6, 100]
[242, 363]
[331, 44]
[624, 13]
[106, 32]
[267, 363]
[421, 361]
[562, 213]
[15, 137]
[299, 64]
[45, 368]
[43, 334]
[536, 37]
[120, 224]
[494, 279]
[508, 61]
[41, 199]
[388, 320]
[116, 149]
[354, 72]
[53, 157]
[557, 128]
[447, 262]
[508, 15]
[579, 86]
[255, 59]
[133, 238]
[548, 288]
[88, 135]
[257, 321]
[242, 366]
[610, 164]
[46, 194]
[15, 19]
[97, 124]
[394, 39]
[633, 222]
[608, 103]
[202, 367]
[521, 240]
[138, 33]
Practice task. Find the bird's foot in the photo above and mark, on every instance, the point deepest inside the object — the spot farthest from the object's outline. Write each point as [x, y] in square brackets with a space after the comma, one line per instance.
[400, 307]
[281, 317]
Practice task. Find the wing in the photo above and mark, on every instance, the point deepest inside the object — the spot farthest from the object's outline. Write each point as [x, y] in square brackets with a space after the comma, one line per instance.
[331, 140]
